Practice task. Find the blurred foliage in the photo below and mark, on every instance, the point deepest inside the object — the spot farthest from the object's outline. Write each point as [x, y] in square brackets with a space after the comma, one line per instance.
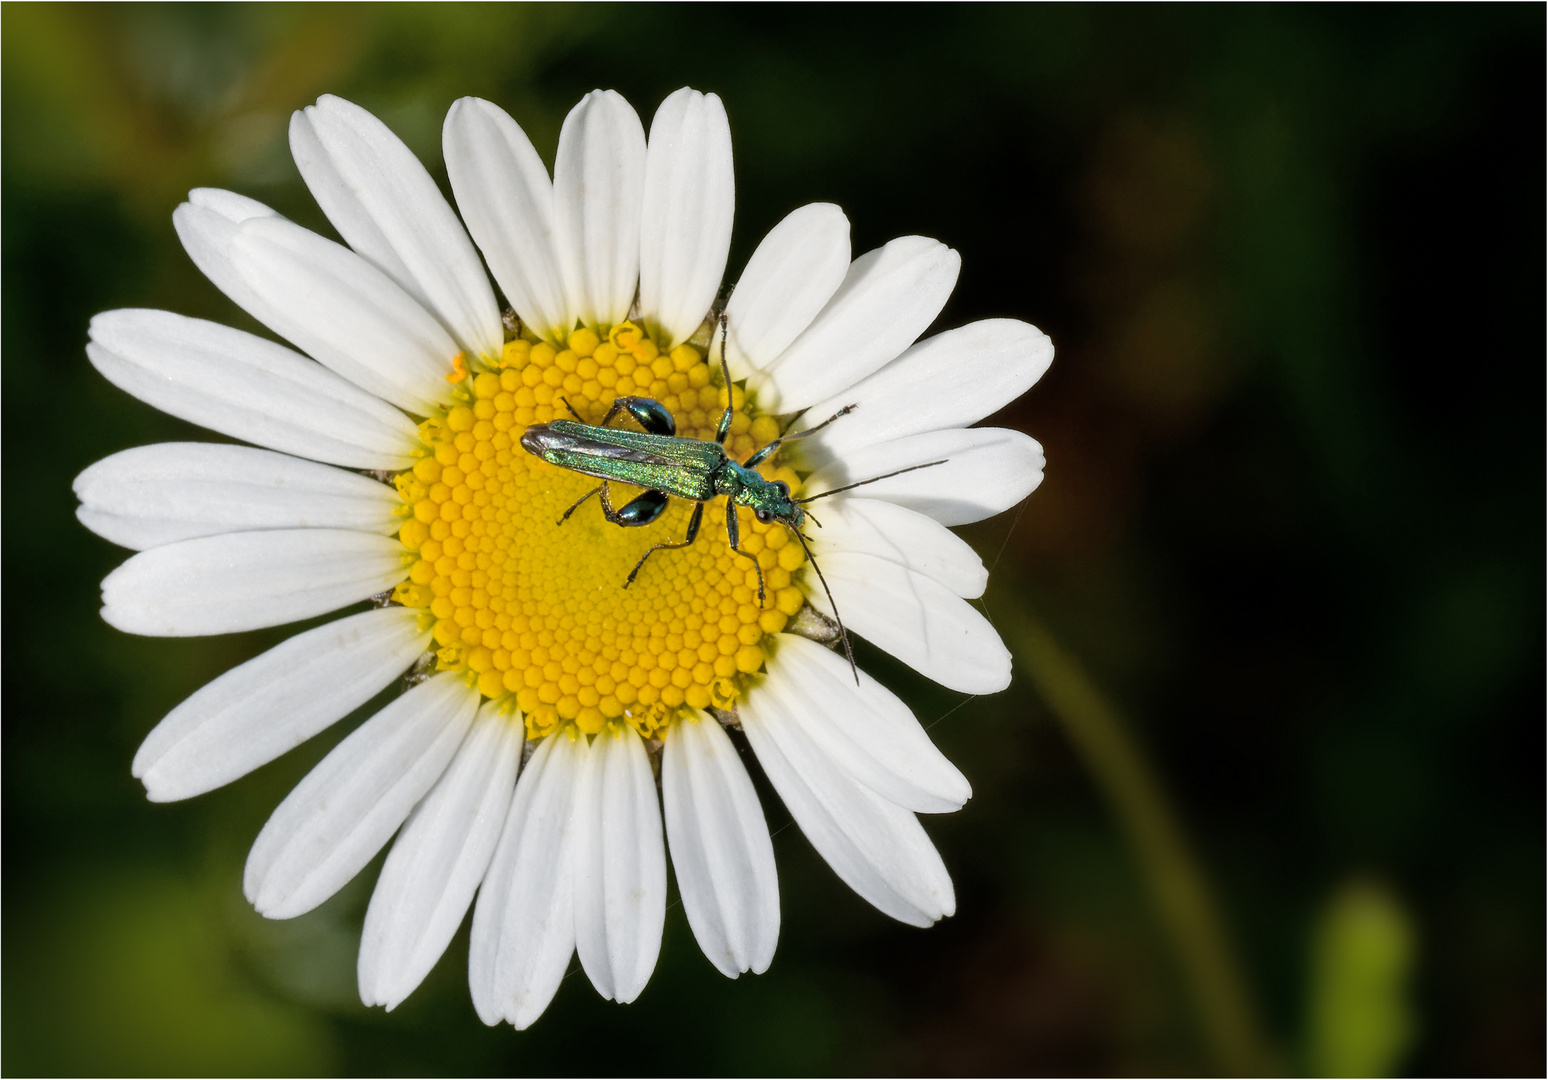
[1185, 909]
[1293, 526]
[1362, 960]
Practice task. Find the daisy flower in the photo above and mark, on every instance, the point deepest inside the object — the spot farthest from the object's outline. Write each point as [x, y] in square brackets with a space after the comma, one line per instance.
[543, 698]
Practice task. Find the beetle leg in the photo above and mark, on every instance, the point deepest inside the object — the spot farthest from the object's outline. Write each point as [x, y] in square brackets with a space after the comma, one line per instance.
[725, 369]
[734, 538]
[641, 510]
[577, 505]
[653, 416]
[693, 534]
[771, 447]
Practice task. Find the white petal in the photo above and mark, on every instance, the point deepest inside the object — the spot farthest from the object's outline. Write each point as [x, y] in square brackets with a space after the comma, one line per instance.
[790, 278]
[685, 230]
[950, 380]
[620, 866]
[206, 224]
[916, 619]
[323, 297]
[153, 495]
[337, 169]
[878, 848]
[383, 202]
[345, 313]
[866, 730]
[506, 198]
[887, 299]
[243, 581]
[599, 178]
[983, 471]
[438, 860]
[229, 205]
[524, 921]
[908, 538]
[248, 388]
[347, 807]
[273, 703]
[720, 844]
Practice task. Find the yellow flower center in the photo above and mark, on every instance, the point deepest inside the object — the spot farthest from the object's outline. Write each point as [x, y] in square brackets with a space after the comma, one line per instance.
[536, 611]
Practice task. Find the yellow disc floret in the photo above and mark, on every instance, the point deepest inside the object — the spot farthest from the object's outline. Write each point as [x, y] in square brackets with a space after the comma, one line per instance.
[536, 611]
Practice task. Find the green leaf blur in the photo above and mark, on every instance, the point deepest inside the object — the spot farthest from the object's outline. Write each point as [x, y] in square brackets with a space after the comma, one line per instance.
[1362, 962]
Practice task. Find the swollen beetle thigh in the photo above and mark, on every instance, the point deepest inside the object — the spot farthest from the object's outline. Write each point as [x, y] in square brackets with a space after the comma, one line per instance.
[641, 510]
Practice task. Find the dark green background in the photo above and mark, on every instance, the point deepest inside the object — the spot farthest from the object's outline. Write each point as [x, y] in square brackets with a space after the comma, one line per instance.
[1292, 259]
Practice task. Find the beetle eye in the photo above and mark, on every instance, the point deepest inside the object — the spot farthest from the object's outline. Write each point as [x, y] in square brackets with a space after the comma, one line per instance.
[763, 516]
[784, 489]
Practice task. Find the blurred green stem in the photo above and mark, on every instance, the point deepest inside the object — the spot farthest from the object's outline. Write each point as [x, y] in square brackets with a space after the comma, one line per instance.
[1177, 885]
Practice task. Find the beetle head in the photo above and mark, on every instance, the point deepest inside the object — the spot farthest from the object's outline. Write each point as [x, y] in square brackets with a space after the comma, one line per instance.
[771, 501]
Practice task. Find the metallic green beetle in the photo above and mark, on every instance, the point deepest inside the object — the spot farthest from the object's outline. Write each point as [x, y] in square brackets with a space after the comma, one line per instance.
[668, 465]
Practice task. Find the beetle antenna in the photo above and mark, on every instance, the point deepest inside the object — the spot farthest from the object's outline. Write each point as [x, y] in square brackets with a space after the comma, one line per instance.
[872, 480]
[843, 634]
